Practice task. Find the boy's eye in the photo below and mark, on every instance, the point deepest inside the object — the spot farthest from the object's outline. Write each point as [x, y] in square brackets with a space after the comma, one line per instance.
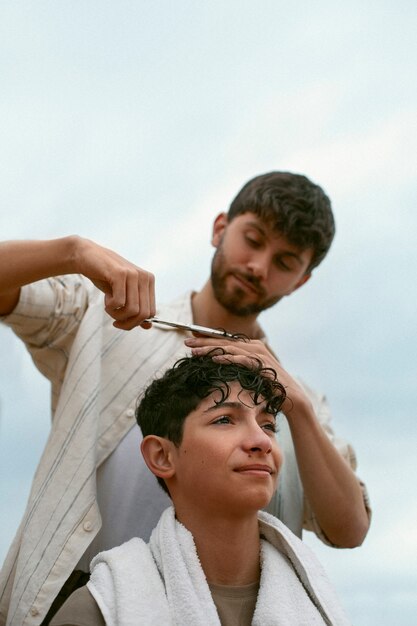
[224, 419]
[270, 426]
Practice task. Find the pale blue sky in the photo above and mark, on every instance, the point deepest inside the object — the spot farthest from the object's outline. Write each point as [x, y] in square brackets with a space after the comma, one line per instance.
[134, 123]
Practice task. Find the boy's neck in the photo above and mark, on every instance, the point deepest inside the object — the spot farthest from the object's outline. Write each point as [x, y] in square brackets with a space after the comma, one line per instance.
[228, 548]
[207, 311]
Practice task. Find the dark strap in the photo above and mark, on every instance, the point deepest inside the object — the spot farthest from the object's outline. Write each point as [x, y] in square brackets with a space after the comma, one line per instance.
[75, 581]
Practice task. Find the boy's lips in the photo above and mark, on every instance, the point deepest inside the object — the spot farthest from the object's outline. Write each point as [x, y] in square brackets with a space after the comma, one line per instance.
[255, 468]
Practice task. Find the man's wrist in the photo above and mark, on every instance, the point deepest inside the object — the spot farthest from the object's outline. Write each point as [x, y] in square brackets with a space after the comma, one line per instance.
[298, 410]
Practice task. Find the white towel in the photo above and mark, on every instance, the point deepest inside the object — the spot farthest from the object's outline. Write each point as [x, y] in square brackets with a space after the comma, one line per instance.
[127, 586]
[163, 583]
[291, 575]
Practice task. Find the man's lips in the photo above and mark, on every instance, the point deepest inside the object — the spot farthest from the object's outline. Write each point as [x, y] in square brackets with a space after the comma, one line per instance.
[248, 284]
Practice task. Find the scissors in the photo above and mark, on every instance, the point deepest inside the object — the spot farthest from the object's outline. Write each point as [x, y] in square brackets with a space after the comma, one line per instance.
[195, 328]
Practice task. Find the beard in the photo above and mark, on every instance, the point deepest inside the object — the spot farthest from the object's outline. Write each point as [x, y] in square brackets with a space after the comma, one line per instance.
[233, 299]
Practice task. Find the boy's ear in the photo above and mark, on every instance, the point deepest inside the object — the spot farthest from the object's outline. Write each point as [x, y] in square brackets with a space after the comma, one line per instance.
[157, 453]
[219, 226]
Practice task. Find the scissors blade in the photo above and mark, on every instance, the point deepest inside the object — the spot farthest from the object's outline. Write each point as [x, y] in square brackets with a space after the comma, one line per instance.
[195, 328]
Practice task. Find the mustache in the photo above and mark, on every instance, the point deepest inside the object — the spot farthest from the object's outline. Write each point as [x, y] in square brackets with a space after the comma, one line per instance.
[253, 281]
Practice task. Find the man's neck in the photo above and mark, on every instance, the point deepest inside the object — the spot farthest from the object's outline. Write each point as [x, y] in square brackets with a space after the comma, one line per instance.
[228, 548]
[207, 311]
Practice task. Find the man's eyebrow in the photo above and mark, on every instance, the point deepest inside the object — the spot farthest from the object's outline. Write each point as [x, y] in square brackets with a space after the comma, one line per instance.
[293, 255]
[257, 226]
[263, 231]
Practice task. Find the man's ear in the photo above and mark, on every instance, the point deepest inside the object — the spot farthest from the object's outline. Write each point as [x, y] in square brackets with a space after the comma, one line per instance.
[219, 226]
[157, 453]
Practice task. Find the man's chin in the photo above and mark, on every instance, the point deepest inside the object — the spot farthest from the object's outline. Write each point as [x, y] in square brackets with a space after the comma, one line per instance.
[243, 310]
[239, 302]
[242, 306]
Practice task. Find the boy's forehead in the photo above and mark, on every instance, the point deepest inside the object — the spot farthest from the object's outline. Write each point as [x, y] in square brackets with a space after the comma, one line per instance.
[236, 395]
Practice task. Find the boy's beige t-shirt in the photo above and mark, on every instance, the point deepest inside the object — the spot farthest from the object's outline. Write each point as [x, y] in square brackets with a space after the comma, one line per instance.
[235, 606]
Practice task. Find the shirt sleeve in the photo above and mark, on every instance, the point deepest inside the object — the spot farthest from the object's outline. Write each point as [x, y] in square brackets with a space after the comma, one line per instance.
[322, 411]
[47, 318]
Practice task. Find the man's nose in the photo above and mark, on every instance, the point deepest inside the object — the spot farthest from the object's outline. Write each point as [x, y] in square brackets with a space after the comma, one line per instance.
[258, 265]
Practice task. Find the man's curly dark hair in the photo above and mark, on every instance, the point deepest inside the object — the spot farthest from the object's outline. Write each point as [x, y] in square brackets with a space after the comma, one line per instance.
[293, 206]
[168, 400]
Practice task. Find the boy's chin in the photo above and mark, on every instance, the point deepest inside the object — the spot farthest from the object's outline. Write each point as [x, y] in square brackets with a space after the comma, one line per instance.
[255, 504]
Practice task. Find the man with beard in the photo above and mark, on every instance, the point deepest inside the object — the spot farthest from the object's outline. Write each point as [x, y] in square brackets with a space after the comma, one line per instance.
[92, 490]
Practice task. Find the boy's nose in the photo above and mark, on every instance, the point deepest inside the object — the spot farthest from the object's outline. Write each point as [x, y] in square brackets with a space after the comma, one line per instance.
[258, 441]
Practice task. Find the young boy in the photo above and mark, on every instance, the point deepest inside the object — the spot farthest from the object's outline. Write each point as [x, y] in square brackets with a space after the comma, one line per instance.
[209, 429]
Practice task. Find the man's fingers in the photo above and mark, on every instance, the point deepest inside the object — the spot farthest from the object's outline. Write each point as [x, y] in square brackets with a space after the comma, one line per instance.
[129, 290]
[133, 289]
[230, 347]
[114, 306]
[132, 322]
[197, 340]
[231, 354]
[146, 296]
[116, 298]
[250, 361]
[132, 299]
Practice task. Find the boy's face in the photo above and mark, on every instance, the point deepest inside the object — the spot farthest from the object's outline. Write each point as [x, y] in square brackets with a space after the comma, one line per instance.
[228, 460]
[254, 266]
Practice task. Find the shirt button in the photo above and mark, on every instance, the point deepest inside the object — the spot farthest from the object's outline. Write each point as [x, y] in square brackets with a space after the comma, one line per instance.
[130, 413]
[34, 611]
[88, 526]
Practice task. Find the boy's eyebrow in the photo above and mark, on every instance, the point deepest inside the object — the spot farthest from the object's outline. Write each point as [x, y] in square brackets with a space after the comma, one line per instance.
[233, 405]
[220, 405]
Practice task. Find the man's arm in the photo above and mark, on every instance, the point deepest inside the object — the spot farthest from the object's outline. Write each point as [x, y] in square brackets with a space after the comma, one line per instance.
[330, 485]
[129, 290]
